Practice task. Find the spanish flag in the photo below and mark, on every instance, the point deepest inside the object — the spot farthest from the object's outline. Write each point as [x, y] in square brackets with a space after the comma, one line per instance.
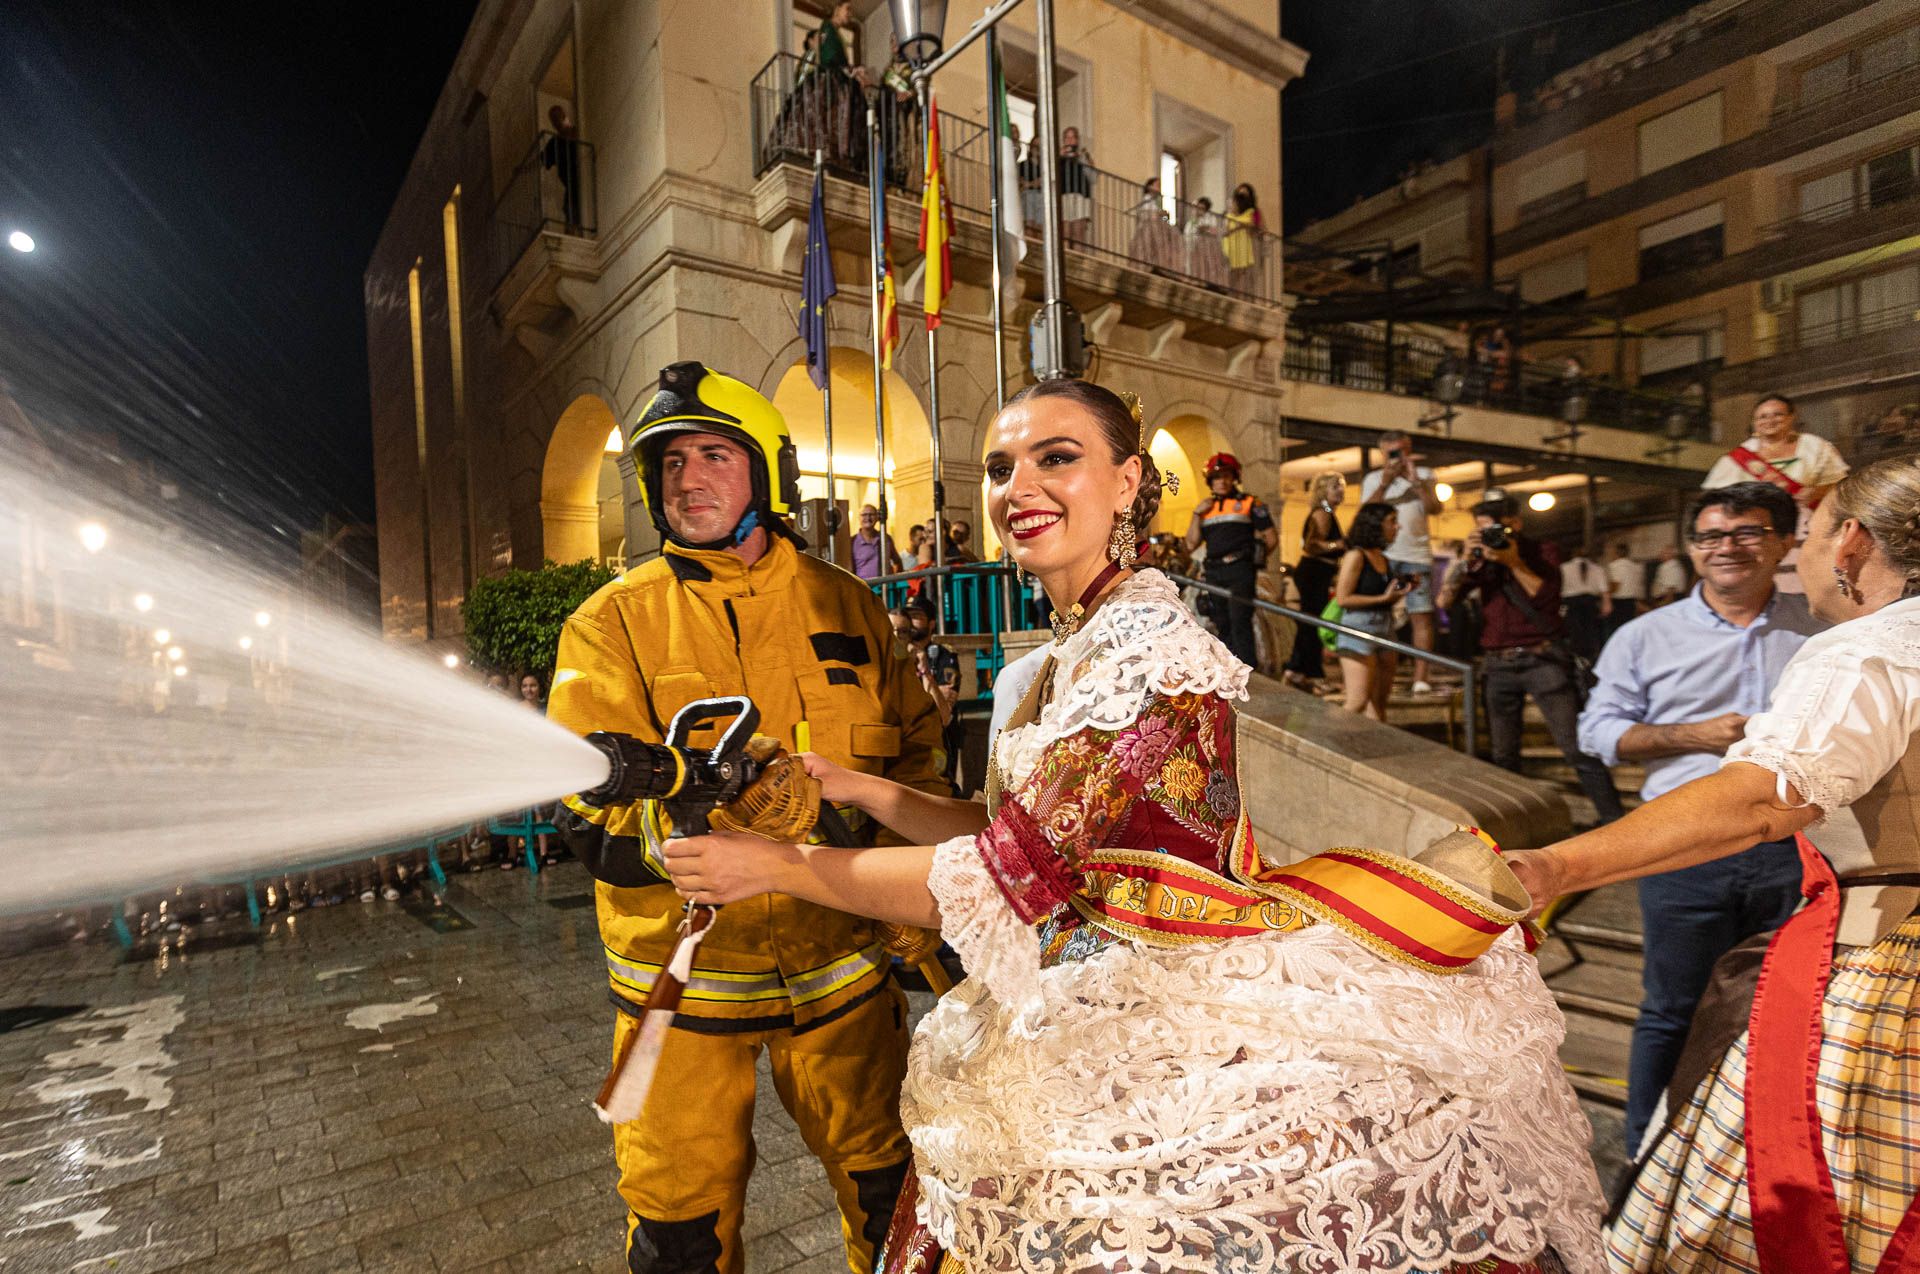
[936, 223]
[889, 303]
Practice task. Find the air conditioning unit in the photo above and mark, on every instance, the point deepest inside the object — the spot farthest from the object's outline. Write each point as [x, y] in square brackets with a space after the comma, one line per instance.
[1775, 294]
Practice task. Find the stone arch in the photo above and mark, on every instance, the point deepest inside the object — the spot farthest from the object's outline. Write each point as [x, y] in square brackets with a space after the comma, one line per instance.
[575, 519]
[1180, 444]
[909, 447]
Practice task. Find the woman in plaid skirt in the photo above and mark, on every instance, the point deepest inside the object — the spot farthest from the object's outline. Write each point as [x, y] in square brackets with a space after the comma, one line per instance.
[1788, 1145]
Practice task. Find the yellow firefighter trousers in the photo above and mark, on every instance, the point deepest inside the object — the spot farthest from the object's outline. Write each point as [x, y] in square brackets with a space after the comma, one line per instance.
[684, 1163]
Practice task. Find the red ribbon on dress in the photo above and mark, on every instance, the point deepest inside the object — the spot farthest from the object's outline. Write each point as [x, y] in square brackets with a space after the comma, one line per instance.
[1758, 467]
[1797, 1228]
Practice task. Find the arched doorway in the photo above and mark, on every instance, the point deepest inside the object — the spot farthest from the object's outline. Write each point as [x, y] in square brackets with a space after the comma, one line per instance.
[909, 476]
[582, 495]
[1180, 448]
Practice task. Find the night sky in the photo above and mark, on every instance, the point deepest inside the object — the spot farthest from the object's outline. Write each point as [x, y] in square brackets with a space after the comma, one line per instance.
[206, 181]
[1391, 82]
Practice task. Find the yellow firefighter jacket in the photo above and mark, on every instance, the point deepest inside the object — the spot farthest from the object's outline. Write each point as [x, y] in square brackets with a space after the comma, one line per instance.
[805, 641]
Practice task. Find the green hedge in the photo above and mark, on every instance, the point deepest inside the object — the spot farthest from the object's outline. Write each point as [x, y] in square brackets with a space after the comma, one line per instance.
[513, 620]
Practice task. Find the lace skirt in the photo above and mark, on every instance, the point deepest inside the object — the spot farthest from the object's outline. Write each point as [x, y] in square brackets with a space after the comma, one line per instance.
[1288, 1102]
[1688, 1210]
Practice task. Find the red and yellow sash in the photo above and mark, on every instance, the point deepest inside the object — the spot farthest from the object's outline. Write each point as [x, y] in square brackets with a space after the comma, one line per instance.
[1394, 906]
[1761, 469]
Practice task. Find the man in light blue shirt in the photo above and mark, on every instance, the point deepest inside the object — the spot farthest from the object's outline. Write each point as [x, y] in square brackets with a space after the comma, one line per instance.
[1676, 687]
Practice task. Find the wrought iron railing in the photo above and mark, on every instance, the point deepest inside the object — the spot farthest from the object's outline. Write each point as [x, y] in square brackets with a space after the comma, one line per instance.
[552, 190]
[1798, 336]
[1842, 209]
[1799, 104]
[1422, 367]
[799, 112]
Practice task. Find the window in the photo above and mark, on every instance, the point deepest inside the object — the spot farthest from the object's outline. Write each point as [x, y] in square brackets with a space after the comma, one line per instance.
[1555, 184]
[1889, 178]
[1561, 279]
[1828, 79]
[1684, 351]
[1173, 187]
[1023, 114]
[1680, 134]
[1877, 59]
[1873, 303]
[1890, 54]
[1680, 243]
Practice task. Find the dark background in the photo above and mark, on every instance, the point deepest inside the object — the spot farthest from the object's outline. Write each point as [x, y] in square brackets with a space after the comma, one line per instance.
[206, 181]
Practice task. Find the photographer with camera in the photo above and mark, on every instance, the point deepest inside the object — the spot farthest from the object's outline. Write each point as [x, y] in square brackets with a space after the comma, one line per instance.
[1524, 644]
[1408, 486]
[1239, 533]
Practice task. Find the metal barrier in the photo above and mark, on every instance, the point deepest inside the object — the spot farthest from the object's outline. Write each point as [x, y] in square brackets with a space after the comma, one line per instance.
[982, 599]
[1469, 675]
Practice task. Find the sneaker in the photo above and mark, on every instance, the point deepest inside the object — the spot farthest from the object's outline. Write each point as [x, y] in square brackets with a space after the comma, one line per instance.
[390, 894]
[295, 903]
[366, 895]
[1422, 687]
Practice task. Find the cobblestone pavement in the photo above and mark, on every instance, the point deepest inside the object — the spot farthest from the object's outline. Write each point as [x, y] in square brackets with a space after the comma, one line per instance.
[373, 1087]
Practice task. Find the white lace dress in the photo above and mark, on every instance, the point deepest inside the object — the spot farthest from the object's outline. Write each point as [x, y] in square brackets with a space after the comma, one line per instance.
[1287, 1101]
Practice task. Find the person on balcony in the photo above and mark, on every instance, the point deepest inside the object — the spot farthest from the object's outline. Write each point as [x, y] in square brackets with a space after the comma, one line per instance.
[1202, 231]
[1242, 245]
[1155, 242]
[1076, 187]
[1803, 465]
[1169, 1055]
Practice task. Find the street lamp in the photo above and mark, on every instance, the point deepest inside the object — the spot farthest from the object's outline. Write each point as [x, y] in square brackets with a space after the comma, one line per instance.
[246, 641]
[93, 536]
[20, 241]
[162, 636]
[143, 602]
[1541, 501]
[920, 26]
[175, 654]
[262, 618]
[1443, 491]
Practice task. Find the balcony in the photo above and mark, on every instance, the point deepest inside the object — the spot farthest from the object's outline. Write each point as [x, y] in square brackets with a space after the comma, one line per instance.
[1419, 366]
[544, 221]
[1107, 220]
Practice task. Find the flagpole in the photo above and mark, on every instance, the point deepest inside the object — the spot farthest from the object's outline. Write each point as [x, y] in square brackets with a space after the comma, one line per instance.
[876, 246]
[997, 125]
[939, 529]
[826, 401]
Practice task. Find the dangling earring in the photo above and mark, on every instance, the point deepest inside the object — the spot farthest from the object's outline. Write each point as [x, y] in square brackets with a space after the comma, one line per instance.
[1841, 582]
[1122, 545]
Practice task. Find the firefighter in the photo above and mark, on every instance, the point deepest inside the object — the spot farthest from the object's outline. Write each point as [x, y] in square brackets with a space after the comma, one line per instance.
[1239, 533]
[732, 607]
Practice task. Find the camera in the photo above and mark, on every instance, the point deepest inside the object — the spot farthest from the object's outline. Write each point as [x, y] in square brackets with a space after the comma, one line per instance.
[1495, 536]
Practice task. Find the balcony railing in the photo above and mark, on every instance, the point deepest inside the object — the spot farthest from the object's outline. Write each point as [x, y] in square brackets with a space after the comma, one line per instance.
[1799, 336]
[1421, 367]
[1888, 194]
[1799, 104]
[552, 190]
[798, 112]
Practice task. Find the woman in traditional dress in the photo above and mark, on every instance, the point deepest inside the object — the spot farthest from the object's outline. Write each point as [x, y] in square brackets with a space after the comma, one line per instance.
[1803, 465]
[1789, 1144]
[1170, 1055]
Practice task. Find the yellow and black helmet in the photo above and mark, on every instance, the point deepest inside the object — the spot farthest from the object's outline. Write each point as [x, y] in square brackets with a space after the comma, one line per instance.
[693, 398]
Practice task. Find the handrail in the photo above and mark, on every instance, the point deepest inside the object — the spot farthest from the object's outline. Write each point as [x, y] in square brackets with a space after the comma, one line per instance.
[1469, 675]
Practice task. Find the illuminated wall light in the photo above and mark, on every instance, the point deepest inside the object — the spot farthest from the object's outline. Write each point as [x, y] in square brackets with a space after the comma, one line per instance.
[93, 536]
[175, 654]
[161, 636]
[262, 618]
[1541, 501]
[1444, 490]
[143, 602]
[451, 661]
[246, 641]
[614, 444]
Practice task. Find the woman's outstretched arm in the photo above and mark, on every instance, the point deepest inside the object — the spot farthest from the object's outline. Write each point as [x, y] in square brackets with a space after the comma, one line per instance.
[909, 813]
[888, 882]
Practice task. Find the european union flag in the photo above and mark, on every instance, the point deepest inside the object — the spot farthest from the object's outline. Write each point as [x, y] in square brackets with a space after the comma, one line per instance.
[816, 286]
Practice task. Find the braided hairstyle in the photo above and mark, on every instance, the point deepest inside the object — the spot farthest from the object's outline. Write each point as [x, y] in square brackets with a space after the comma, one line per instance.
[1122, 424]
[1884, 498]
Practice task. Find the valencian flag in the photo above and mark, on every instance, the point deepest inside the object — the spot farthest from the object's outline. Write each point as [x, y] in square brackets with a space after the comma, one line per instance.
[816, 286]
[936, 223]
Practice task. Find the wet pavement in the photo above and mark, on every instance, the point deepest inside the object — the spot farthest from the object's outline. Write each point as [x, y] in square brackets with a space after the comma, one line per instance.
[369, 1086]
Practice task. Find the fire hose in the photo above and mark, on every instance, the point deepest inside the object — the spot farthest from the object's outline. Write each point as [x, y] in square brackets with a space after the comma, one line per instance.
[744, 782]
